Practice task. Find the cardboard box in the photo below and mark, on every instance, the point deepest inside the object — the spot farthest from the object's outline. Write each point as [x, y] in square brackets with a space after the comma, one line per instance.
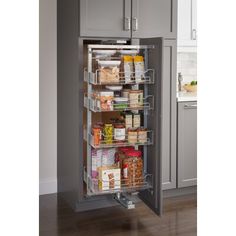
[109, 178]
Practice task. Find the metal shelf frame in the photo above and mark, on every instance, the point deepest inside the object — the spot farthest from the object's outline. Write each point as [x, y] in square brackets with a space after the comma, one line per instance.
[91, 78]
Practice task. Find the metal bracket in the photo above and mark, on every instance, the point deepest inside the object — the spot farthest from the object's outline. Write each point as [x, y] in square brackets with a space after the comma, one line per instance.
[124, 201]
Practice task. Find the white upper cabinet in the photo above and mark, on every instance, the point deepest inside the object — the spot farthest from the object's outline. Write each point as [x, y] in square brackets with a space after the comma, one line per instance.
[187, 23]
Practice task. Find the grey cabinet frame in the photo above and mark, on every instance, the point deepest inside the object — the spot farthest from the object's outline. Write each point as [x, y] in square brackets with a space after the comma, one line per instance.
[147, 18]
[169, 111]
[187, 144]
[154, 18]
[70, 105]
[113, 22]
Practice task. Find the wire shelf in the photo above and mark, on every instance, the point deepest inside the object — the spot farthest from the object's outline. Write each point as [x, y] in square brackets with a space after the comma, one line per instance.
[94, 104]
[95, 79]
[119, 186]
[111, 142]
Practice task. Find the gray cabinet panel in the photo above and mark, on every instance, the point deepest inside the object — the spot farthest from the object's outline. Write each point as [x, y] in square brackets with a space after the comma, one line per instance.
[187, 144]
[104, 18]
[154, 121]
[169, 112]
[154, 18]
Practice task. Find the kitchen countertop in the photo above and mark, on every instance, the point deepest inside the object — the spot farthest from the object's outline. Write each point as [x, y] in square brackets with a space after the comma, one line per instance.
[186, 97]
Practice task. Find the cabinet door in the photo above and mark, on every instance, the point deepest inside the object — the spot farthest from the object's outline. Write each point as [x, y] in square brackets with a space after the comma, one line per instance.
[154, 18]
[105, 18]
[187, 144]
[169, 110]
[153, 197]
[187, 23]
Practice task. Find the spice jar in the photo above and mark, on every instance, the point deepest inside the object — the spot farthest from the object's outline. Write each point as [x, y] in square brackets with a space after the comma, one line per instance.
[136, 98]
[133, 168]
[119, 132]
[142, 135]
[108, 133]
[132, 136]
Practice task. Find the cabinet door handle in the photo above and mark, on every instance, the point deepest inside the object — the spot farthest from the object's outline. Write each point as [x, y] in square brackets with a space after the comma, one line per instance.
[194, 34]
[127, 24]
[192, 106]
[135, 24]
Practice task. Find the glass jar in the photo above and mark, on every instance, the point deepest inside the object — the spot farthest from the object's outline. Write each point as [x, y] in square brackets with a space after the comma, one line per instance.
[142, 135]
[108, 133]
[132, 168]
[132, 136]
[97, 134]
[119, 132]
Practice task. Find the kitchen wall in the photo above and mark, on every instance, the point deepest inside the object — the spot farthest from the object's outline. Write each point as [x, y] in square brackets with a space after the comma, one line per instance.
[47, 96]
[187, 65]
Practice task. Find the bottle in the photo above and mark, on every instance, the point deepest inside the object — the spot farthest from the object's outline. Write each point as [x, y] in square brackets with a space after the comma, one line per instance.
[180, 79]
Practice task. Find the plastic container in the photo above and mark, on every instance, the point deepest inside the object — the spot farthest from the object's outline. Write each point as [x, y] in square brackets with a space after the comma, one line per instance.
[120, 103]
[120, 155]
[115, 89]
[109, 72]
[132, 168]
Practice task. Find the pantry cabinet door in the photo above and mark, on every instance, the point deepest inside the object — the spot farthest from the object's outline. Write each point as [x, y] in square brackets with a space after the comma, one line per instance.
[153, 197]
[169, 112]
[154, 18]
[105, 18]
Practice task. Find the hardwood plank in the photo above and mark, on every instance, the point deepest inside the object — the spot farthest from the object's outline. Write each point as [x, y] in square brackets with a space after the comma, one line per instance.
[180, 218]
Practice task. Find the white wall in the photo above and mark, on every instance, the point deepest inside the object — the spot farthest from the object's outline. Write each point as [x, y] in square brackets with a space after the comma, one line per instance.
[47, 96]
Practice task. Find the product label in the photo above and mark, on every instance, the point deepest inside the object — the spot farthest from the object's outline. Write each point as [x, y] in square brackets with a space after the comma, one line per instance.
[125, 172]
[136, 121]
[119, 133]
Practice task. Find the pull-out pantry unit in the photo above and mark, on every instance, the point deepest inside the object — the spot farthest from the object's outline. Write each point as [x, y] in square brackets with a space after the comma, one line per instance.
[110, 119]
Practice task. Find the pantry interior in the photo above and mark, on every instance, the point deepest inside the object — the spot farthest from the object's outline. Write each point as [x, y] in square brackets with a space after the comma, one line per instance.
[119, 107]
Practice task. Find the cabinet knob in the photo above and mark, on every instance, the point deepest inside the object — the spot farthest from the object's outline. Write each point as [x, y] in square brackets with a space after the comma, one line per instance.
[135, 24]
[127, 24]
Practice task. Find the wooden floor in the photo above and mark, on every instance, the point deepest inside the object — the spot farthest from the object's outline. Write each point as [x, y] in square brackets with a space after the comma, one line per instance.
[180, 218]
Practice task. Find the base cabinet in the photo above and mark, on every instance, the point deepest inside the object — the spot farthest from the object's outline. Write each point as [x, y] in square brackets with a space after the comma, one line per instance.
[187, 144]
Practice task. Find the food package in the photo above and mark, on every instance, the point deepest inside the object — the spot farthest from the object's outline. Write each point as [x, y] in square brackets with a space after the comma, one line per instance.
[128, 121]
[128, 69]
[109, 178]
[108, 156]
[96, 161]
[104, 100]
[139, 68]
[136, 121]
[109, 71]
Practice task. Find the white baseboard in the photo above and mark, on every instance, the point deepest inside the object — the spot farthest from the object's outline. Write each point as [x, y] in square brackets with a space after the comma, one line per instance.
[47, 186]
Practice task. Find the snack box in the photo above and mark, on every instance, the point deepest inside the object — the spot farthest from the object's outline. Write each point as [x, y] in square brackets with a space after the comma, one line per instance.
[109, 178]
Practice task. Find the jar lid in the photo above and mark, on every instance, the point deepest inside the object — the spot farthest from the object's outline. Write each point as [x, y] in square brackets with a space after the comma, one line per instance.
[132, 129]
[125, 149]
[134, 153]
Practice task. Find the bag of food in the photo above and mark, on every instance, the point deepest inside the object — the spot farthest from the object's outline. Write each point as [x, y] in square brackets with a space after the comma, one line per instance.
[128, 69]
[109, 71]
[139, 68]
